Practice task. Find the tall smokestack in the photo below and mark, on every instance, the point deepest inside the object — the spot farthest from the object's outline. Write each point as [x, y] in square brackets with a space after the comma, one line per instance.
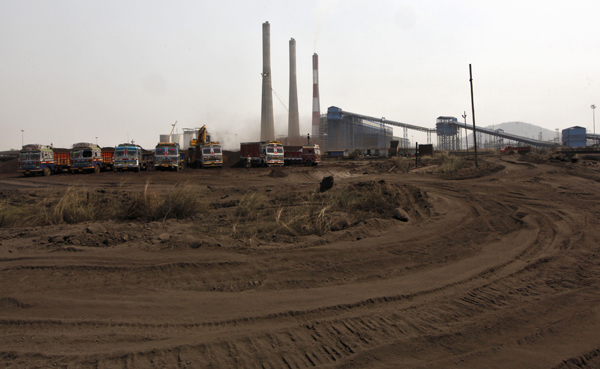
[267, 127]
[293, 118]
[316, 111]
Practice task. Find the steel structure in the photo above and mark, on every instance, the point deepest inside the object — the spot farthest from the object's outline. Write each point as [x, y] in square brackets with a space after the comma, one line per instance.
[353, 131]
[594, 137]
[341, 132]
[346, 130]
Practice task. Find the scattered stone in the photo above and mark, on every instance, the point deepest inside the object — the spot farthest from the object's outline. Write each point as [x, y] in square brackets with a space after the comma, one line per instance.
[54, 239]
[401, 215]
[125, 237]
[339, 222]
[95, 228]
[164, 237]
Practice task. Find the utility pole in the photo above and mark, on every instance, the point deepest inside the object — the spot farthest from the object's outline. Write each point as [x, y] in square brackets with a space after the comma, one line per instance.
[416, 154]
[594, 122]
[22, 140]
[473, 112]
[466, 132]
[384, 135]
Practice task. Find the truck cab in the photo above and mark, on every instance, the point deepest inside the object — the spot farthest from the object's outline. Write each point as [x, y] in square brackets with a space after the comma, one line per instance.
[129, 157]
[272, 152]
[168, 156]
[36, 158]
[86, 157]
[209, 154]
[311, 155]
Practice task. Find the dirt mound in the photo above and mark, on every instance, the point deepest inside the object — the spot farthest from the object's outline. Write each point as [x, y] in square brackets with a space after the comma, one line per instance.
[483, 169]
[9, 166]
[277, 173]
[231, 159]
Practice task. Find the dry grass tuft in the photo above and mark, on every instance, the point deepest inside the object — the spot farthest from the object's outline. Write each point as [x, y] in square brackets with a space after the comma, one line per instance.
[255, 216]
[259, 217]
[79, 204]
[449, 163]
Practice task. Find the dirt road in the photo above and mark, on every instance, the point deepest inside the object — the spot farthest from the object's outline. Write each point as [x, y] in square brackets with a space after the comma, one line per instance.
[500, 271]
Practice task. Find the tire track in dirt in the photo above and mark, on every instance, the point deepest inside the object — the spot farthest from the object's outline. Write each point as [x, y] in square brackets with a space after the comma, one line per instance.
[532, 269]
[357, 337]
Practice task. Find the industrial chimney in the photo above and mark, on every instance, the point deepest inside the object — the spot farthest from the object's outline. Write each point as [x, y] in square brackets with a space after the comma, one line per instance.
[316, 111]
[267, 127]
[293, 118]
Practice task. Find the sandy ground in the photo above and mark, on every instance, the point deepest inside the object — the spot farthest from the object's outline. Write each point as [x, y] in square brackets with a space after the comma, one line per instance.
[499, 271]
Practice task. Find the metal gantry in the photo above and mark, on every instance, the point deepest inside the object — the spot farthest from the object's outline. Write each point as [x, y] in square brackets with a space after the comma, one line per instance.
[345, 131]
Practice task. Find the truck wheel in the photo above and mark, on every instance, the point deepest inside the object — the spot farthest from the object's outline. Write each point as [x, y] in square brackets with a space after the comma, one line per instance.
[47, 171]
[308, 163]
[97, 169]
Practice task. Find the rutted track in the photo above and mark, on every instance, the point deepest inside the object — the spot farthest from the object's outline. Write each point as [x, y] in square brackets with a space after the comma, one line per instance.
[501, 273]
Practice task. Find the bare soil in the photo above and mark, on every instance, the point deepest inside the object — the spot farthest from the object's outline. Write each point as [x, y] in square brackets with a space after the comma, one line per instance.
[495, 267]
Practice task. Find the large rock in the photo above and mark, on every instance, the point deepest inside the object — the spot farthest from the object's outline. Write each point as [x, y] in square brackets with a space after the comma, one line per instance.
[401, 215]
[326, 183]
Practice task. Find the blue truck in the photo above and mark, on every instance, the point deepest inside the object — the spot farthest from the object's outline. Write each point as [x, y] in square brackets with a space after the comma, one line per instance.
[42, 159]
[167, 155]
[129, 156]
[86, 157]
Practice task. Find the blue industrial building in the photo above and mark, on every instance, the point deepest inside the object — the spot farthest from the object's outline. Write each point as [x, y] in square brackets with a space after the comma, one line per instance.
[574, 137]
[352, 132]
[448, 133]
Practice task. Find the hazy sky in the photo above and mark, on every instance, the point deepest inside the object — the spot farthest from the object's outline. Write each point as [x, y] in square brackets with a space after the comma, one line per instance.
[72, 71]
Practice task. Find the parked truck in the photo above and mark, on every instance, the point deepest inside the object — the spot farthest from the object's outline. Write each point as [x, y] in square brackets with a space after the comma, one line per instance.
[43, 159]
[129, 156]
[307, 155]
[108, 158]
[167, 155]
[262, 154]
[86, 157]
[510, 149]
[204, 152]
[209, 154]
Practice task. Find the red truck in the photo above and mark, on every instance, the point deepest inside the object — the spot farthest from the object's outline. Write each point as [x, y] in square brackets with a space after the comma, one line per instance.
[510, 149]
[308, 155]
[262, 154]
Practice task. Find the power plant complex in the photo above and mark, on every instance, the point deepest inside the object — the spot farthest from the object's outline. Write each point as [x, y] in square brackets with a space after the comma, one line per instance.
[341, 130]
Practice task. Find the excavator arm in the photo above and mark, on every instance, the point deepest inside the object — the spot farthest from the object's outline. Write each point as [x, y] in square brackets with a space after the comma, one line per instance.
[202, 134]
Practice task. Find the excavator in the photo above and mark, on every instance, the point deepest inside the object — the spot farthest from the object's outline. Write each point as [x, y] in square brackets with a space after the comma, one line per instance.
[207, 153]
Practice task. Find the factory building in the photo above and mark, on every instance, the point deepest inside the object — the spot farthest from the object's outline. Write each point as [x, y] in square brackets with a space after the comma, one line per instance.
[574, 136]
[341, 132]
